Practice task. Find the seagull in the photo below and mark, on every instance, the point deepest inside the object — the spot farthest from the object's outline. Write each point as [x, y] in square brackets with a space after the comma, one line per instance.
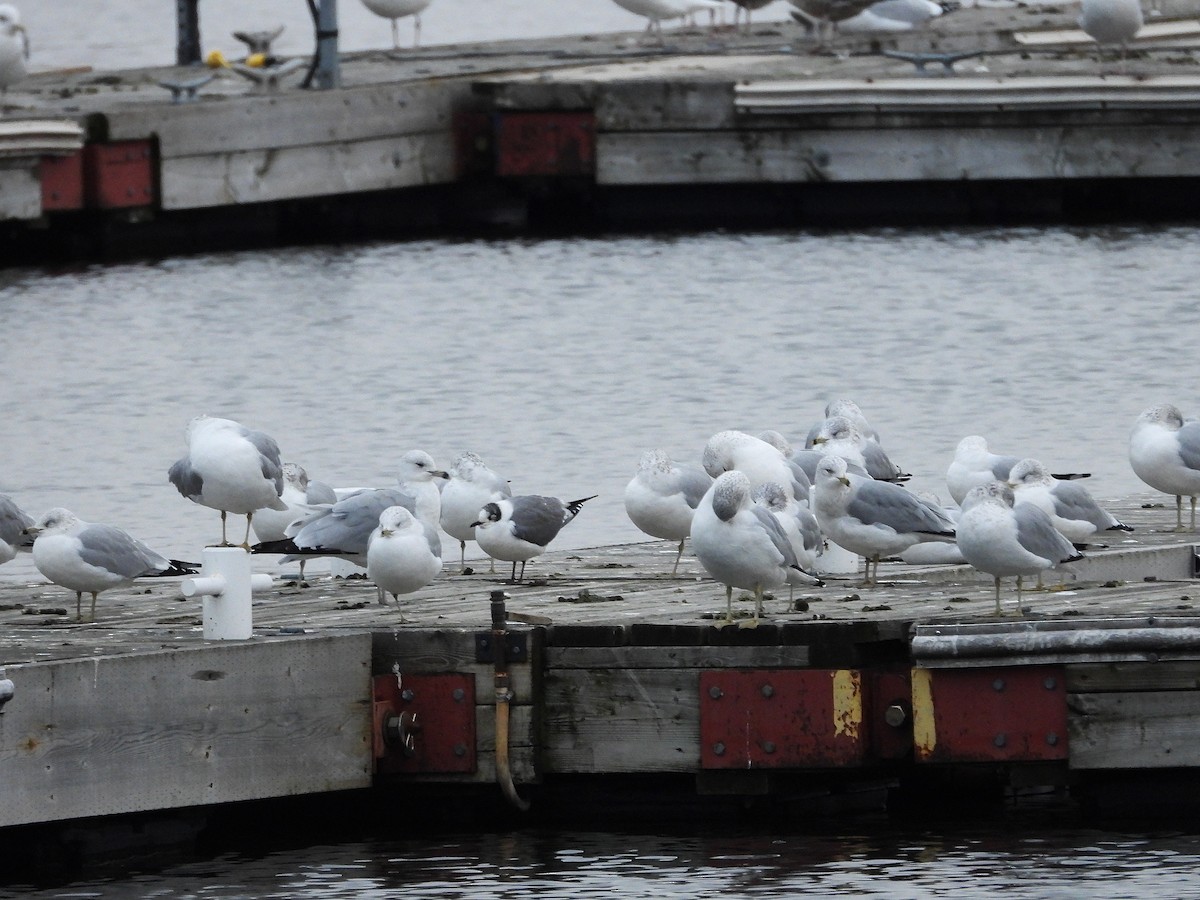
[1071, 508]
[662, 497]
[891, 15]
[516, 529]
[974, 464]
[741, 544]
[749, 6]
[1111, 22]
[344, 529]
[657, 10]
[728, 450]
[230, 468]
[472, 485]
[840, 436]
[1000, 538]
[13, 522]
[301, 495]
[81, 556]
[14, 47]
[822, 15]
[400, 556]
[873, 518]
[1164, 452]
[397, 10]
[801, 529]
[875, 459]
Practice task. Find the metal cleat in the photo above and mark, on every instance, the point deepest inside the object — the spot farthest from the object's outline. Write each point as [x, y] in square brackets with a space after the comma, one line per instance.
[185, 91]
[268, 78]
[920, 60]
[258, 41]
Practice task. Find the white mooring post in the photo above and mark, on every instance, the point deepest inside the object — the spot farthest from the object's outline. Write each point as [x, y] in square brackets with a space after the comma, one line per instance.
[226, 585]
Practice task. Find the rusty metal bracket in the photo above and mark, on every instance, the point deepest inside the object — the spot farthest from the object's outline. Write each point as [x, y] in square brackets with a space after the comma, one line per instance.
[782, 718]
[516, 647]
[424, 723]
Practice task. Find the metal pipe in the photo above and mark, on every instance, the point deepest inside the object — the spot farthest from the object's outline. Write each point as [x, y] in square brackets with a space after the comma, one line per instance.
[328, 71]
[187, 32]
[504, 697]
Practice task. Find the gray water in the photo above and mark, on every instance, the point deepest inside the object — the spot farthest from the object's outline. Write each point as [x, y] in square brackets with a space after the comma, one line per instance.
[560, 361]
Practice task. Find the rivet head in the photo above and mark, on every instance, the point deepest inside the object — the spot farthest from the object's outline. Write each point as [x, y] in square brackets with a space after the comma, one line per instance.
[458, 695]
[768, 747]
[1050, 683]
[715, 692]
[1052, 739]
[768, 691]
[718, 749]
[1000, 740]
[998, 684]
[460, 749]
[407, 694]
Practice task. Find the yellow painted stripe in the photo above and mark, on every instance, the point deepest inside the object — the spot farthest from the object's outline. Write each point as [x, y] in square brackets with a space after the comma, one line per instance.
[847, 704]
[924, 730]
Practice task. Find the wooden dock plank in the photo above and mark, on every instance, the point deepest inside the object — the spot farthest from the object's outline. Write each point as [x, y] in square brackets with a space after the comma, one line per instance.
[185, 727]
[1144, 729]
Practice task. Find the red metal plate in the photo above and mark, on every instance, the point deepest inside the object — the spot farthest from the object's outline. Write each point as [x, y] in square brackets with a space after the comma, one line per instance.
[62, 182]
[780, 718]
[120, 174]
[545, 143]
[444, 707]
[1008, 714]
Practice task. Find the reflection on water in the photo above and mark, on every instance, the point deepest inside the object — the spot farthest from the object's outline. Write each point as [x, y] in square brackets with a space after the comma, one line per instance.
[874, 863]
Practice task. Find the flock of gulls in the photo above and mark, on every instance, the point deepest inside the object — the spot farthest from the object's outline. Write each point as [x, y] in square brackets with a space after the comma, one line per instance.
[1108, 22]
[759, 513]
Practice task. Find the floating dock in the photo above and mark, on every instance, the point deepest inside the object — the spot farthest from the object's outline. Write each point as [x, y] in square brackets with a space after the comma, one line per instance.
[603, 666]
[981, 115]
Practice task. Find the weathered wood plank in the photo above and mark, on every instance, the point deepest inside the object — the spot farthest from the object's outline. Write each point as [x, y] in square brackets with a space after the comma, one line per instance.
[257, 176]
[186, 727]
[674, 657]
[20, 189]
[1125, 677]
[621, 720]
[900, 154]
[1140, 730]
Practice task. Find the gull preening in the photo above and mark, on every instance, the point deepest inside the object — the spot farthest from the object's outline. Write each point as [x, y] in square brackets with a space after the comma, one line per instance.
[1164, 452]
[741, 544]
[873, 518]
[471, 486]
[86, 557]
[799, 527]
[401, 558]
[302, 495]
[662, 498]
[13, 537]
[516, 529]
[1003, 538]
[230, 468]
[397, 10]
[14, 47]
[759, 460]
[1070, 506]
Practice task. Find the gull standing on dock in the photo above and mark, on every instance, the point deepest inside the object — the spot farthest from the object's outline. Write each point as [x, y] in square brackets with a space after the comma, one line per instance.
[1164, 452]
[397, 10]
[13, 522]
[230, 468]
[799, 527]
[14, 48]
[400, 556]
[301, 496]
[516, 529]
[662, 498]
[762, 462]
[974, 465]
[840, 436]
[1003, 539]
[471, 486]
[657, 10]
[1111, 22]
[749, 6]
[344, 529]
[82, 556]
[873, 518]
[1071, 508]
[741, 544]
[823, 15]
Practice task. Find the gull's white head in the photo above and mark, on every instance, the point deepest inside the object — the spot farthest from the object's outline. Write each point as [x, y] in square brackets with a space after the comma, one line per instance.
[995, 493]
[730, 493]
[1029, 471]
[418, 466]
[394, 519]
[56, 521]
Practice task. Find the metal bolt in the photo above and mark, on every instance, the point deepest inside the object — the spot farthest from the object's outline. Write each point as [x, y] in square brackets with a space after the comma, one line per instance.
[895, 715]
[1000, 740]
[458, 695]
[768, 691]
[1050, 683]
[718, 749]
[1052, 739]
[715, 692]
[407, 694]
[460, 750]
[768, 746]
[998, 684]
